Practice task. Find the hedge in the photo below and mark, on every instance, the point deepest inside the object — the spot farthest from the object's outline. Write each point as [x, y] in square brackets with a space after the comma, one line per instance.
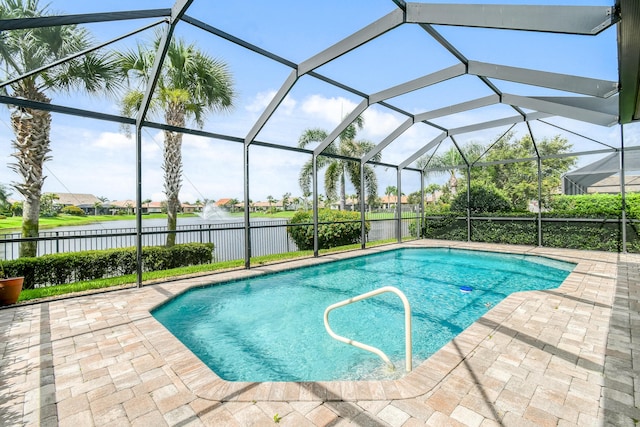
[335, 228]
[594, 206]
[70, 267]
[586, 235]
[592, 232]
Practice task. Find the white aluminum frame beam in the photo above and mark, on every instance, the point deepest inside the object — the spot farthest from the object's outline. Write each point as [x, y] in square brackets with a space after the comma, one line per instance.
[458, 108]
[557, 109]
[419, 83]
[401, 89]
[341, 127]
[497, 123]
[347, 44]
[85, 18]
[607, 106]
[464, 106]
[585, 20]
[388, 140]
[353, 41]
[564, 82]
[179, 8]
[271, 108]
[435, 141]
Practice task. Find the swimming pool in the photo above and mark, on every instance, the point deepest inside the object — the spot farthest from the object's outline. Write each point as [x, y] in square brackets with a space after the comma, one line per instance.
[270, 327]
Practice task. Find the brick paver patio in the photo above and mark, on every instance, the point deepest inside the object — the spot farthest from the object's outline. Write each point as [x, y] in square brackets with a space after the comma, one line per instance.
[567, 357]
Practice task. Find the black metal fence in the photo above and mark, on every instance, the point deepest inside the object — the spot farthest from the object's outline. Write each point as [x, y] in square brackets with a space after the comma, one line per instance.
[267, 238]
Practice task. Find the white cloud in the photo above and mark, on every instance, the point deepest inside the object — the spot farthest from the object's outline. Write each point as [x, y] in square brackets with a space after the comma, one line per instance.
[331, 110]
[262, 99]
[115, 144]
[378, 124]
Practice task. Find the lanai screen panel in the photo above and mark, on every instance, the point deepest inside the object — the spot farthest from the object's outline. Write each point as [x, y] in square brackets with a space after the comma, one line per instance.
[378, 55]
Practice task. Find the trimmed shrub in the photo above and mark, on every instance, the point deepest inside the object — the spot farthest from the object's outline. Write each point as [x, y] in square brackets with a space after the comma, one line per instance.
[72, 210]
[70, 267]
[518, 232]
[482, 199]
[588, 206]
[335, 228]
[445, 227]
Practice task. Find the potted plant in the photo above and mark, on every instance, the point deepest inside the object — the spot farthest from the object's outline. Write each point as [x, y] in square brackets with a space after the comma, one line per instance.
[10, 287]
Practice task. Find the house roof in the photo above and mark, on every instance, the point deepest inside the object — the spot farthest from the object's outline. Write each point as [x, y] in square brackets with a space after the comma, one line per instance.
[393, 199]
[76, 199]
[123, 203]
[222, 202]
[152, 205]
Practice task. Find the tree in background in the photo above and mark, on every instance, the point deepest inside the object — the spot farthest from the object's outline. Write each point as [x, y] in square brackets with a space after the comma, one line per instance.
[450, 161]
[190, 85]
[271, 200]
[5, 206]
[28, 49]
[519, 180]
[337, 170]
[47, 205]
[286, 200]
[482, 199]
[232, 204]
[414, 198]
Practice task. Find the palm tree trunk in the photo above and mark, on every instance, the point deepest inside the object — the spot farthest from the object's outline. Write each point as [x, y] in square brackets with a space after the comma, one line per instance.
[173, 168]
[173, 181]
[32, 129]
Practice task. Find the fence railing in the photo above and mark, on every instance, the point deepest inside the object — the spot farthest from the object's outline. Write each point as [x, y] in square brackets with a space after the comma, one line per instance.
[267, 238]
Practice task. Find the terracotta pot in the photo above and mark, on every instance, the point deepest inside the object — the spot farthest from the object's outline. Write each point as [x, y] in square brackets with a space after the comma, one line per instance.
[10, 290]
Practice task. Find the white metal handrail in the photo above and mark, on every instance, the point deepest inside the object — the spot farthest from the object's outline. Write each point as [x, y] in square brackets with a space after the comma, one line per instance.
[407, 324]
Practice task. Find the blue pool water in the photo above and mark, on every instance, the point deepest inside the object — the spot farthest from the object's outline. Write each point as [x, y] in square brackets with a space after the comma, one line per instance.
[270, 328]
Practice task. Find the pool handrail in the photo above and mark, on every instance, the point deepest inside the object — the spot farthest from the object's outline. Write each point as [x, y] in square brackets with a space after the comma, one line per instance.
[380, 353]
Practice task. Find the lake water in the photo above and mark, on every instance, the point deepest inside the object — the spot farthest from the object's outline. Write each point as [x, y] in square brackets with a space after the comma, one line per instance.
[268, 236]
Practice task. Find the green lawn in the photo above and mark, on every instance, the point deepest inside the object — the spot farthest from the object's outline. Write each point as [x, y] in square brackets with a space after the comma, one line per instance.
[14, 223]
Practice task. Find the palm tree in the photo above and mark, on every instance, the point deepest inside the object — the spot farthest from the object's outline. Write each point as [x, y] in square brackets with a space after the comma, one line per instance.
[286, 198]
[29, 49]
[190, 85]
[233, 204]
[450, 161]
[5, 206]
[390, 191]
[271, 200]
[337, 169]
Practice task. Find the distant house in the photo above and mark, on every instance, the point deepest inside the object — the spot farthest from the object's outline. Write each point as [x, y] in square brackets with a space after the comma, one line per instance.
[390, 201]
[152, 207]
[224, 203]
[265, 206]
[350, 204]
[87, 202]
[191, 208]
[122, 206]
[129, 207]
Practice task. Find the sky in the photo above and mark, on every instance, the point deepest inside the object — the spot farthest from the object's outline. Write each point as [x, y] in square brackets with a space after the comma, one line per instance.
[97, 157]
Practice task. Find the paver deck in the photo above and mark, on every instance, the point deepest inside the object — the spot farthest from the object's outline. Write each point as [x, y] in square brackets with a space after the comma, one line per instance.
[568, 357]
